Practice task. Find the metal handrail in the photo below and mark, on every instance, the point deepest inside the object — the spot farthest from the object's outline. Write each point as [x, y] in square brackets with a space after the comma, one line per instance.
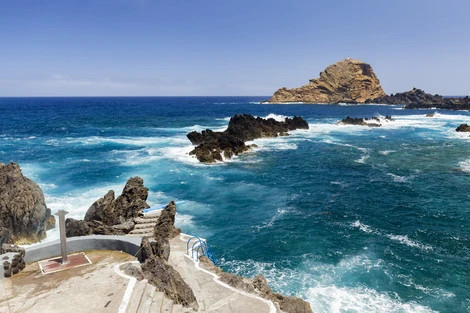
[200, 246]
[187, 243]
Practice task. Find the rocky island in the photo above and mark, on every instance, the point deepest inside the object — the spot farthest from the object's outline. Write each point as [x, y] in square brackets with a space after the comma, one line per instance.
[353, 81]
[213, 146]
[347, 81]
[418, 99]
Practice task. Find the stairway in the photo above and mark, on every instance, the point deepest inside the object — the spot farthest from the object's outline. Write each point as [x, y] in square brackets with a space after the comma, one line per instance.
[145, 225]
[145, 299]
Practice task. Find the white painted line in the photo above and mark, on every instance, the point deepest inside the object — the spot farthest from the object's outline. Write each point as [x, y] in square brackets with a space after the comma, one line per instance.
[130, 287]
[272, 308]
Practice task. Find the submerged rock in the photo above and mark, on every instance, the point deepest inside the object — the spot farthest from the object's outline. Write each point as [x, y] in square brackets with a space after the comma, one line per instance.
[349, 81]
[23, 211]
[214, 146]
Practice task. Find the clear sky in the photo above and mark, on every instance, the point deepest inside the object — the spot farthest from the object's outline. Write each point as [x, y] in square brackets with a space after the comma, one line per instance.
[226, 47]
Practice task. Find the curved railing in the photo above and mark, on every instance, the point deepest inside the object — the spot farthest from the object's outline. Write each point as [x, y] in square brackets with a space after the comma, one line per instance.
[200, 248]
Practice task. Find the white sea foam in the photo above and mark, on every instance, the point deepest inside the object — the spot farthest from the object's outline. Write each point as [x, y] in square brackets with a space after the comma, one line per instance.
[277, 117]
[184, 221]
[78, 202]
[278, 215]
[52, 142]
[365, 228]
[465, 166]
[400, 179]
[277, 143]
[411, 243]
[403, 239]
[320, 282]
[407, 280]
[386, 152]
[180, 154]
[333, 299]
[362, 159]
[129, 141]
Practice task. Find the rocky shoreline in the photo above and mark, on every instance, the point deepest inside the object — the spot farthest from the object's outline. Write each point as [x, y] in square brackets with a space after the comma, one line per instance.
[116, 216]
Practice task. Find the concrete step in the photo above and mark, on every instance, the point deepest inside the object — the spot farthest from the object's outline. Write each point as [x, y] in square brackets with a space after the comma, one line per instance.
[177, 308]
[167, 306]
[147, 299]
[142, 231]
[157, 302]
[144, 219]
[136, 296]
[147, 235]
[152, 214]
[144, 225]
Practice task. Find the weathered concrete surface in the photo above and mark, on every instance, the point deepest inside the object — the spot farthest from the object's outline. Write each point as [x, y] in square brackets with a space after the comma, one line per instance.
[212, 296]
[91, 288]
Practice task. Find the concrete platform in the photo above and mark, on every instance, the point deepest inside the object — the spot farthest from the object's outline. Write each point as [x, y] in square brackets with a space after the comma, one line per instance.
[100, 288]
[93, 288]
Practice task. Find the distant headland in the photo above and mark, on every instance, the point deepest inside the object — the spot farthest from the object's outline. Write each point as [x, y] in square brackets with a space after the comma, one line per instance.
[353, 81]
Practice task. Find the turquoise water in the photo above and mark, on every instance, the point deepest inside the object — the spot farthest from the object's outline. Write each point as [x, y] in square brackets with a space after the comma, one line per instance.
[352, 219]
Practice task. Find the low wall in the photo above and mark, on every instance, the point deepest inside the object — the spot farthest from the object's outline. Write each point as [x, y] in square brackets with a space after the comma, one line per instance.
[130, 245]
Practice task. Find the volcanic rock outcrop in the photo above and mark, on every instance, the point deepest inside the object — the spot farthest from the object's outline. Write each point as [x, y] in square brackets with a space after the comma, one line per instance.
[241, 128]
[11, 260]
[463, 128]
[349, 81]
[371, 122]
[154, 258]
[24, 216]
[109, 216]
[418, 99]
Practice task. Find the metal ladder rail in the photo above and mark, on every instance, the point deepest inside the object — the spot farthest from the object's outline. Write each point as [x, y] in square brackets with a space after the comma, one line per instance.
[202, 246]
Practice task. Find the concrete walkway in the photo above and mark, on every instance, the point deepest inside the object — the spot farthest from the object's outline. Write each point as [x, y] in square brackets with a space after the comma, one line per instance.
[90, 288]
[213, 295]
[99, 288]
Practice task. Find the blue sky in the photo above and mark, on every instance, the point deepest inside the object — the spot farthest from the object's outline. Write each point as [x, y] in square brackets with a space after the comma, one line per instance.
[206, 47]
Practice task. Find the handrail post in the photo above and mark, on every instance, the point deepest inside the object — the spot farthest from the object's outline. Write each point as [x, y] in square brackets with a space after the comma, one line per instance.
[187, 243]
[192, 248]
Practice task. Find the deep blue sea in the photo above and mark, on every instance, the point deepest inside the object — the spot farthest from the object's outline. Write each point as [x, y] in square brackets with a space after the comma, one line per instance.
[350, 218]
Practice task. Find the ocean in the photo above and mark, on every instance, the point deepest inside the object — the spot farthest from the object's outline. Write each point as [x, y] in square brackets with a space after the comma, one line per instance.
[349, 218]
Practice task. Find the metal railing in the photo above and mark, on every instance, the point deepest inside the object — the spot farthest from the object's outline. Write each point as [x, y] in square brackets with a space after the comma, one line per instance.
[200, 248]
